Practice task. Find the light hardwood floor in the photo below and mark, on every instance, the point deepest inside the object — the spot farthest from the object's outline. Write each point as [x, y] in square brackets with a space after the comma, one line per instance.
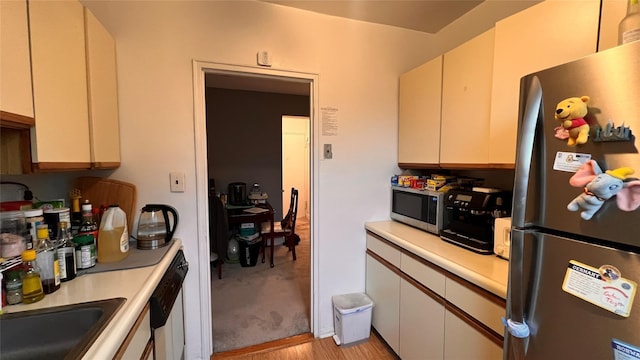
[303, 347]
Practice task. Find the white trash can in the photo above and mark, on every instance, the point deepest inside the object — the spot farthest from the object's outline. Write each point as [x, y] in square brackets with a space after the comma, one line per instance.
[351, 318]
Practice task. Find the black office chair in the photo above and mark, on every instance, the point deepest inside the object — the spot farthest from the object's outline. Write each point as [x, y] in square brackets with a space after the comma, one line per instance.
[218, 232]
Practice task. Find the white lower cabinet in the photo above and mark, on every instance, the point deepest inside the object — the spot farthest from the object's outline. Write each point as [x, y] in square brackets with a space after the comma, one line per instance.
[383, 288]
[421, 324]
[463, 341]
[426, 313]
[139, 342]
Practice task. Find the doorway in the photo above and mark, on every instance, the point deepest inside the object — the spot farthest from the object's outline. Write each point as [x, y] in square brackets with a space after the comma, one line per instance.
[295, 156]
[255, 76]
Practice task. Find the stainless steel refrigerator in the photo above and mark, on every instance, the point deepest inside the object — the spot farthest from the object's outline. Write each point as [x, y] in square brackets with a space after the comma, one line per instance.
[575, 237]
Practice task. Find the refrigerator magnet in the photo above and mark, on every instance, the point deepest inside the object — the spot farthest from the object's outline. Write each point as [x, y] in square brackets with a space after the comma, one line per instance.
[610, 132]
[604, 287]
[569, 161]
[624, 351]
[570, 113]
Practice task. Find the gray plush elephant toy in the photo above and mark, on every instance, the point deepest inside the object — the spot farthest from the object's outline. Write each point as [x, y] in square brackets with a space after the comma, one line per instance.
[600, 186]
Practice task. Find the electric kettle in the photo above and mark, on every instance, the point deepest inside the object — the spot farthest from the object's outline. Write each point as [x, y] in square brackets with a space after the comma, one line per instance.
[154, 226]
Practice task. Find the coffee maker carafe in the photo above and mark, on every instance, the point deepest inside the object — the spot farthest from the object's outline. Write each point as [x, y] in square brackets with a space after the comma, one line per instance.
[155, 228]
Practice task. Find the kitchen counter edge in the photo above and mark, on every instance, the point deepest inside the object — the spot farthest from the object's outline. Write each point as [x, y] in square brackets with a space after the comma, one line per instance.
[486, 271]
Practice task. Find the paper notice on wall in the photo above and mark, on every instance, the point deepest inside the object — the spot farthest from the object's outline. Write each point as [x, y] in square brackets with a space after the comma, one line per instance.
[329, 116]
[604, 287]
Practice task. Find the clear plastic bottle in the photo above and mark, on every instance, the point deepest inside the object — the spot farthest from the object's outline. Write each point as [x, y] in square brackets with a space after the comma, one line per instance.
[31, 284]
[113, 241]
[14, 287]
[47, 259]
[629, 28]
[66, 253]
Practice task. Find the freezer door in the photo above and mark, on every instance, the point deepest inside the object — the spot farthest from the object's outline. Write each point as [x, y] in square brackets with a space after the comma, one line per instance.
[545, 163]
[555, 297]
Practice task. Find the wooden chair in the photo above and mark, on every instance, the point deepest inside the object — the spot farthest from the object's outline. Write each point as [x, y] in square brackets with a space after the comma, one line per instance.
[218, 232]
[285, 228]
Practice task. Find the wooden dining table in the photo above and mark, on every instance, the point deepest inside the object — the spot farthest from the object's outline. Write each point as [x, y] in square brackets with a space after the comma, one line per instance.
[258, 213]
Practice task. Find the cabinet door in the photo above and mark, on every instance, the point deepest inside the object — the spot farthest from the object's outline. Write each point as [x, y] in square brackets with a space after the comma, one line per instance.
[421, 324]
[383, 287]
[103, 94]
[466, 101]
[15, 63]
[419, 114]
[463, 341]
[137, 344]
[60, 138]
[536, 38]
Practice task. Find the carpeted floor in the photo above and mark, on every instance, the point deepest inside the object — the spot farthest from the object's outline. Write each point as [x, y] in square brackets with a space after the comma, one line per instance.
[253, 305]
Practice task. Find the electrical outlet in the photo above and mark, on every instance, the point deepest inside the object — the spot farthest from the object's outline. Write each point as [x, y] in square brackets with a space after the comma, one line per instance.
[328, 154]
[177, 181]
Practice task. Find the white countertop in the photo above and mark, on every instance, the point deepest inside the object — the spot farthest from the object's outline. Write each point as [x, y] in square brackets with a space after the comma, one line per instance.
[486, 271]
[136, 285]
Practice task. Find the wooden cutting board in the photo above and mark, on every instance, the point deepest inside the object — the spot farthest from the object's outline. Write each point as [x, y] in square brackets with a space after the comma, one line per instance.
[101, 191]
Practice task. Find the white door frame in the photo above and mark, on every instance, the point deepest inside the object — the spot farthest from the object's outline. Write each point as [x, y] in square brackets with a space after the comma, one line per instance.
[200, 68]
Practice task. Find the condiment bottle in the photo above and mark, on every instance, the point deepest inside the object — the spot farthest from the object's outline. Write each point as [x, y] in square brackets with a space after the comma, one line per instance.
[33, 217]
[629, 28]
[66, 253]
[31, 284]
[14, 287]
[113, 242]
[89, 225]
[85, 251]
[47, 259]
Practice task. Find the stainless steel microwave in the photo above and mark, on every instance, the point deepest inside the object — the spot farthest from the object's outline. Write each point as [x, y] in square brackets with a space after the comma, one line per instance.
[422, 209]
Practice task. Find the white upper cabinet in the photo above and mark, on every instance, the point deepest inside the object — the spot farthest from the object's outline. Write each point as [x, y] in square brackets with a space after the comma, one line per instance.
[419, 114]
[61, 134]
[15, 64]
[102, 94]
[545, 35]
[466, 101]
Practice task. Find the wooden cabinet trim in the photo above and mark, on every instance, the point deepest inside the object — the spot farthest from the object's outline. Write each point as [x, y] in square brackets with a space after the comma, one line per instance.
[473, 322]
[387, 242]
[105, 165]
[425, 262]
[53, 166]
[478, 290]
[385, 263]
[123, 347]
[418, 166]
[149, 350]
[425, 290]
[16, 121]
[452, 166]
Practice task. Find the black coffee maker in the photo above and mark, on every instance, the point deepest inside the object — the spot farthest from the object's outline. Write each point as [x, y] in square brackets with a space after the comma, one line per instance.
[237, 193]
[472, 216]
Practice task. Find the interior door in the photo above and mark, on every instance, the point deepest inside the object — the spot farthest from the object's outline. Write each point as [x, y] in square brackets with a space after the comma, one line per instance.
[295, 162]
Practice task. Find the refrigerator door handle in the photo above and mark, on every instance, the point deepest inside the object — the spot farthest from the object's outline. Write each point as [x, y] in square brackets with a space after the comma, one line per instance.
[515, 323]
[525, 150]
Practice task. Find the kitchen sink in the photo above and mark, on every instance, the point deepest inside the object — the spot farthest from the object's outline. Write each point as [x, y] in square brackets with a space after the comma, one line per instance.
[61, 332]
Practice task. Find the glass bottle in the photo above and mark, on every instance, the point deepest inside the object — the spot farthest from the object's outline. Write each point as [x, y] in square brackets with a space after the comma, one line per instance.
[14, 287]
[31, 283]
[629, 28]
[66, 253]
[47, 259]
[89, 224]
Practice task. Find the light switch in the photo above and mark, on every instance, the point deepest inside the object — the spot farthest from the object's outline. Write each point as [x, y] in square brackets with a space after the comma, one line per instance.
[177, 181]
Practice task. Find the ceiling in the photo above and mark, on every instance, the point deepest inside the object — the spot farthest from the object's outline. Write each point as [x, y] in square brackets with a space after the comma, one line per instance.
[428, 16]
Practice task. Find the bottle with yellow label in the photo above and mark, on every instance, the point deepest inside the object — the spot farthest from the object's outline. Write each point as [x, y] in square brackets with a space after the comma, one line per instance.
[31, 283]
[47, 260]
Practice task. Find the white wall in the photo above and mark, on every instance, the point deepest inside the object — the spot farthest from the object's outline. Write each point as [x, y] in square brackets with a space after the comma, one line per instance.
[358, 66]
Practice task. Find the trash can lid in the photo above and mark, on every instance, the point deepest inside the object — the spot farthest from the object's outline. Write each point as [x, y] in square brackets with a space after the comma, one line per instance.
[350, 303]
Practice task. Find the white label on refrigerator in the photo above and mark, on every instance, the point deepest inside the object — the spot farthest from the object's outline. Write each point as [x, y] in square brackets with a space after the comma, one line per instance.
[624, 351]
[604, 287]
[569, 162]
